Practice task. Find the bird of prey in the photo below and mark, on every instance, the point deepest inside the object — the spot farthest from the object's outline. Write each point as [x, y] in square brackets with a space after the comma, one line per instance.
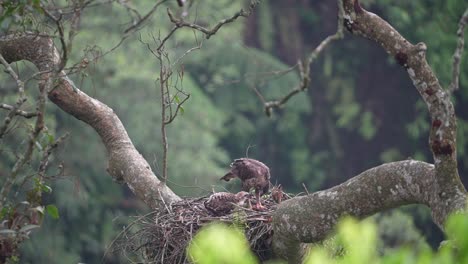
[277, 193]
[222, 203]
[253, 174]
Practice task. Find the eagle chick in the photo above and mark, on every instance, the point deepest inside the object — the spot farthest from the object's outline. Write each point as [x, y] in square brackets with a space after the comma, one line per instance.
[222, 203]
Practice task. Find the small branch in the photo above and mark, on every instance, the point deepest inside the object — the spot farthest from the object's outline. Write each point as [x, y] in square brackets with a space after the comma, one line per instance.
[179, 106]
[142, 20]
[304, 68]
[457, 55]
[305, 189]
[46, 154]
[38, 127]
[210, 32]
[18, 112]
[162, 84]
[19, 102]
[58, 23]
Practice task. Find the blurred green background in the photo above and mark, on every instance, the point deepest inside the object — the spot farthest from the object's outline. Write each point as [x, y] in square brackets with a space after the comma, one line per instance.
[361, 110]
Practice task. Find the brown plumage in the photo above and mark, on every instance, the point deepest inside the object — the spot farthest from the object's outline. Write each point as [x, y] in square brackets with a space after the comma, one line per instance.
[253, 174]
[277, 193]
[222, 203]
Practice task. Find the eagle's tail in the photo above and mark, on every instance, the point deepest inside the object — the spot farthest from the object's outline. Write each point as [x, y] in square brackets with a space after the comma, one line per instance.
[228, 176]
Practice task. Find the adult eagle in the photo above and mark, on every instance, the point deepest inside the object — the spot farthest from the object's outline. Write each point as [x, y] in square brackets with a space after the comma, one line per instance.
[222, 203]
[253, 174]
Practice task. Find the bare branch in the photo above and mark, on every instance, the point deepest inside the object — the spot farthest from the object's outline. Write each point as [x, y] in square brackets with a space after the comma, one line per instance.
[457, 55]
[210, 32]
[58, 23]
[142, 20]
[18, 112]
[163, 85]
[304, 68]
[21, 98]
[46, 154]
[33, 137]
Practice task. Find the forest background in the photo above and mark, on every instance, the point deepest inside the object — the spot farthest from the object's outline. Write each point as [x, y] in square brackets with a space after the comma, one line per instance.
[360, 110]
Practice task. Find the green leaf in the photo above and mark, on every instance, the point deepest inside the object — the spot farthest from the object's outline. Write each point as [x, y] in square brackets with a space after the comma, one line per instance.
[52, 211]
[5, 210]
[182, 110]
[218, 243]
[51, 138]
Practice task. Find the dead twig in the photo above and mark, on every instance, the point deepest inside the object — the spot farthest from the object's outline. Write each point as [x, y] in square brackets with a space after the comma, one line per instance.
[210, 32]
[18, 112]
[304, 67]
[457, 55]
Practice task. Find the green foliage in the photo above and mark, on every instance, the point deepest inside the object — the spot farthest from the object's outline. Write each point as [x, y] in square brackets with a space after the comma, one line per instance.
[52, 211]
[358, 240]
[217, 243]
[355, 242]
[396, 229]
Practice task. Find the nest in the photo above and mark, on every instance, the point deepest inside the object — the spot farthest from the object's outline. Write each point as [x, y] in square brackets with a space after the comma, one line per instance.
[163, 236]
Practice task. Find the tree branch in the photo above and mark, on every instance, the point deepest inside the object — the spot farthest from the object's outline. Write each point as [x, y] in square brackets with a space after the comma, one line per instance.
[442, 139]
[210, 32]
[310, 218]
[458, 52]
[125, 163]
[304, 68]
[18, 112]
[21, 98]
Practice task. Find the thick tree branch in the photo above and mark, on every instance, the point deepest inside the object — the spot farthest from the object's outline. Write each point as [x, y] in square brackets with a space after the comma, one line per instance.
[125, 163]
[442, 139]
[310, 218]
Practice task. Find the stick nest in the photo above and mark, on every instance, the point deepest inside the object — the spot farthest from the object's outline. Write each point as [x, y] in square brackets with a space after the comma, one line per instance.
[163, 236]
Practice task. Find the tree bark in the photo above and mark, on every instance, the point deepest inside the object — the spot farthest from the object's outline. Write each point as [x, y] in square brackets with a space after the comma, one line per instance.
[125, 164]
[310, 218]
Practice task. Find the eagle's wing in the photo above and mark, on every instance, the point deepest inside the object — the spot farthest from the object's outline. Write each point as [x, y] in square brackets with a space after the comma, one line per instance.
[246, 168]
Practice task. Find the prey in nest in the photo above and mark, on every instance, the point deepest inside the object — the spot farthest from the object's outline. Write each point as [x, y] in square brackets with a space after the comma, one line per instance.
[163, 236]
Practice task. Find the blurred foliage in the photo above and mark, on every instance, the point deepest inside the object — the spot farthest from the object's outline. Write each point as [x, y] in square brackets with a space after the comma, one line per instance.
[218, 243]
[355, 242]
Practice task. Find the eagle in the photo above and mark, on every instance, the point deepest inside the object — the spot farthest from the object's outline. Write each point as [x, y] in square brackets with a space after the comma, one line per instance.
[222, 203]
[253, 174]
